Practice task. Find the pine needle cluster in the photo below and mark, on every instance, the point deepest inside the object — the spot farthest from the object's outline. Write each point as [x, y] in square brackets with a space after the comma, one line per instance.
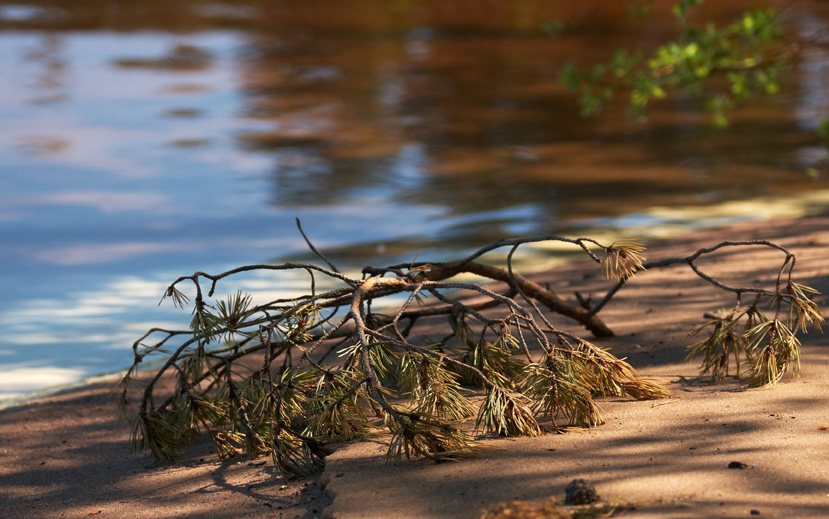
[768, 346]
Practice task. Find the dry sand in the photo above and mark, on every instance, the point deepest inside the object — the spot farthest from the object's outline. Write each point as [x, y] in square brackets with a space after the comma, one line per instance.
[67, 455]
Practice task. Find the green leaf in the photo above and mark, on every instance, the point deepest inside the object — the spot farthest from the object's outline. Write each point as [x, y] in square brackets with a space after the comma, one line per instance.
[640, 9]
[823, 129]
[553, 28]
[680, 10]
[568, 76]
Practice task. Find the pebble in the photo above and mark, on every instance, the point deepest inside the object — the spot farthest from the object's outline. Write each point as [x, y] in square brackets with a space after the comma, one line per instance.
[580, 492]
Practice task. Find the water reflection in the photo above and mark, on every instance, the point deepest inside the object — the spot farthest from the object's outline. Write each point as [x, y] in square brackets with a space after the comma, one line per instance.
[488, 120]
[144, 140]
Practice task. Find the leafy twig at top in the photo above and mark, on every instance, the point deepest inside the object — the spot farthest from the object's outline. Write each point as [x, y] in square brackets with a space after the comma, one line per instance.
[721, 66]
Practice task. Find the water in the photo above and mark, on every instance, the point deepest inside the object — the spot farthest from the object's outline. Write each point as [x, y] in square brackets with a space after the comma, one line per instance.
[143, 142]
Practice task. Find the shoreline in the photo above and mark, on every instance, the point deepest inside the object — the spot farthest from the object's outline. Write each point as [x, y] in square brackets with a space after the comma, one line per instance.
[655, 224]
[48, 391]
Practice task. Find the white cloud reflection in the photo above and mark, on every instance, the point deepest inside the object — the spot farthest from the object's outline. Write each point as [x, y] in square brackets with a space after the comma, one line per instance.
[86, 147]
[95, 253]
[104, 201]
[106, 312]
[93, 331]
[16, 381]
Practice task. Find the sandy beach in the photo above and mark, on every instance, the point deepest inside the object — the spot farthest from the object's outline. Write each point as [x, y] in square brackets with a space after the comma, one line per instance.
[66, 455]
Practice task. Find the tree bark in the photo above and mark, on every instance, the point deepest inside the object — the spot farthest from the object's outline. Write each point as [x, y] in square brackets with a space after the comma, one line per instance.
[530, 288]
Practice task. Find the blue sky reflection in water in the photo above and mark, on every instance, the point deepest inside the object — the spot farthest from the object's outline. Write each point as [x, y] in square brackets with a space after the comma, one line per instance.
[128, 158]
[106, 197]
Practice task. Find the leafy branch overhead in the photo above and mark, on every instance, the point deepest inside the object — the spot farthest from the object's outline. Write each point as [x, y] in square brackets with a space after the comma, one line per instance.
[415, 351]
[724, 66]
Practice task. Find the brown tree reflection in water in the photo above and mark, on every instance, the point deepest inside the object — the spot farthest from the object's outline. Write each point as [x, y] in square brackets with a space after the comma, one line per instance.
[457, 104]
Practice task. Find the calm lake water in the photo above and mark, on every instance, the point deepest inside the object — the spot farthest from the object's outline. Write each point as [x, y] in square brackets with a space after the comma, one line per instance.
[140, 141]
